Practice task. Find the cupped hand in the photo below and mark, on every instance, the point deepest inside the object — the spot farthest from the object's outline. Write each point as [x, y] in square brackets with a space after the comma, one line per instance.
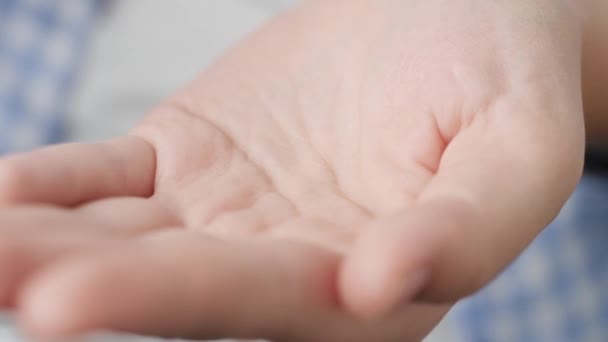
[344, 174]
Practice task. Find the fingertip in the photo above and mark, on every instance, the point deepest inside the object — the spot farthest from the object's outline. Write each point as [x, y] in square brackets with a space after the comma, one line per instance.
[361, 282]
[40, 316]
[430, 252]
[59, 303]
[381, 274]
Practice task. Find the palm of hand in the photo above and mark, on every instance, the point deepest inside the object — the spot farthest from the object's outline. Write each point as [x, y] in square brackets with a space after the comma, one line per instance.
[233, 205]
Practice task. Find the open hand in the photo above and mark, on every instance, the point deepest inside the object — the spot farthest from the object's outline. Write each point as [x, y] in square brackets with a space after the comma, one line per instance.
[344, 174]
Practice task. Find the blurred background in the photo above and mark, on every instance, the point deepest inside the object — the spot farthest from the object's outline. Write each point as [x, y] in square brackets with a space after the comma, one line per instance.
[86, 70]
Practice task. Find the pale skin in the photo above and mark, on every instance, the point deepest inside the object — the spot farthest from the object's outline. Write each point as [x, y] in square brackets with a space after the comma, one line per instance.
[595, 71]
[343, 174]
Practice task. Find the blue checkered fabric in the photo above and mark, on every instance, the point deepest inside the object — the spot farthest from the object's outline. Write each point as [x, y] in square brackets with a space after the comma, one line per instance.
[557, 290]
[40, 45]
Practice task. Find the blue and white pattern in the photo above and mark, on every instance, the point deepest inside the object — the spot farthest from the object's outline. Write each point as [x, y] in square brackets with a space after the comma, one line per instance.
[557, 290]
[40, 45]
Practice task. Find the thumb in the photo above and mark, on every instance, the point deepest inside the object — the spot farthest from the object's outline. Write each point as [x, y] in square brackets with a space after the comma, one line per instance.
[498, 185]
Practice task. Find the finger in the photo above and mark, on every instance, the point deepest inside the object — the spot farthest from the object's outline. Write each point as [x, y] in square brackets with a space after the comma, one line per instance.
[130, 215]
[73, 173]
[191, 286]
[21, 257]
[492, 195]
[186, 284]
[32, 237]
